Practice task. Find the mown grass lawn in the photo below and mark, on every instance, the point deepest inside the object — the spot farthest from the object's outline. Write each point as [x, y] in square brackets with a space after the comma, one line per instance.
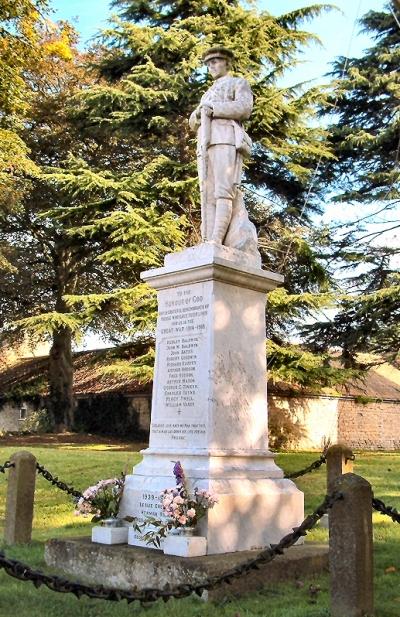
[84, 465]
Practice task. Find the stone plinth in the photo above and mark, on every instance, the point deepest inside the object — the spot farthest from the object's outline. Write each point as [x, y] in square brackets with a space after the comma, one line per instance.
[126, 567]
[185, 546]
[209, 407]
[110, 535]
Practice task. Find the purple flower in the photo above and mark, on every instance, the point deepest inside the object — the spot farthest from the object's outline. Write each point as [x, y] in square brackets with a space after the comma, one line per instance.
[178, 473]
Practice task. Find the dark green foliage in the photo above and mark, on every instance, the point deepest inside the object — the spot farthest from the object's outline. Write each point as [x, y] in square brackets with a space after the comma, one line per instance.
[366, 131]
[118, 187]
[108, 414]
[366, 139]
[89, 236]
[369, 322]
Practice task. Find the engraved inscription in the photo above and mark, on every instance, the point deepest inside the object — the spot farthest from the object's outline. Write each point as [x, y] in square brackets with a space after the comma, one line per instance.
[150, 505]
[147, 504]
[178, 431]
[182, 322]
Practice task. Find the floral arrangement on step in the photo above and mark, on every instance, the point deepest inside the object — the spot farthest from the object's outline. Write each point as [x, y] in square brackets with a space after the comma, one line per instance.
[182, 509]
[101, 500]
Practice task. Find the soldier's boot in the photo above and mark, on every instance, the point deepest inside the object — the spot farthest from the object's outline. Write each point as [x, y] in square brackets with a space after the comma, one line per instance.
[223, 217]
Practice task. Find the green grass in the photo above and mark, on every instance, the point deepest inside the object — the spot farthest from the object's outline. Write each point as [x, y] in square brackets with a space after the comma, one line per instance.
[83, 465]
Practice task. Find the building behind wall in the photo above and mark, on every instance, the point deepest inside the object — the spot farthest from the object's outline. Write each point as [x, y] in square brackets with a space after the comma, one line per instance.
[117, 406]
[362, 415]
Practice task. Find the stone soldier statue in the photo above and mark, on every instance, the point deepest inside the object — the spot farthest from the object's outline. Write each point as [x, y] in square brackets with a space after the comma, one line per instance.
[222, 144]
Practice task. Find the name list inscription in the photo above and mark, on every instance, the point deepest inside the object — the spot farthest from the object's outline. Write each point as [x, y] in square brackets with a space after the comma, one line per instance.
[178, 405]
[181, 326]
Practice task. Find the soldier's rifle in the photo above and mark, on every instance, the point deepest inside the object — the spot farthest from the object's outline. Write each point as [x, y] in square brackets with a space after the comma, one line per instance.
[205, 138]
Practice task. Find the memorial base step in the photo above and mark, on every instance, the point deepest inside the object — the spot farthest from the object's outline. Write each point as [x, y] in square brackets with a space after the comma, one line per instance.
[125, 567]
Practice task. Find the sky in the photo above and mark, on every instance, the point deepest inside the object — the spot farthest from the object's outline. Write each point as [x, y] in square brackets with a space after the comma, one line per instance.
[337, 29]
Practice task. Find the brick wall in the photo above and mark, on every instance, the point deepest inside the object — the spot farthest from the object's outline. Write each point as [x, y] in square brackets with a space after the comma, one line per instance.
[370, 426]
[366, 426]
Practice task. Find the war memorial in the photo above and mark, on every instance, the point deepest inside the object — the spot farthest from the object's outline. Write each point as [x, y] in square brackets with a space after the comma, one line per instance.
[209, 405]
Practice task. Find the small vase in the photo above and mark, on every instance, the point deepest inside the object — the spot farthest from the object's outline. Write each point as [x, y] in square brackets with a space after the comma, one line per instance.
[184, 531]
[111, 521]
[188, 531]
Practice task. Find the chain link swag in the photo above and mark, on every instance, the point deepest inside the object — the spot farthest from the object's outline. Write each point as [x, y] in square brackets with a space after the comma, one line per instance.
[23, 572]
[315, 465]
[6, 465]
[47, 475]
[378, 505]
[56, 482]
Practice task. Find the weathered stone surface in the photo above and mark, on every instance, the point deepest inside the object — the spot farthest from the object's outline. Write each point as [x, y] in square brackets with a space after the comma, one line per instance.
[209, 407]
[339, 461]
[20, 498]
[124, 567]
[210, 252]
[242, 234]
[351, 549]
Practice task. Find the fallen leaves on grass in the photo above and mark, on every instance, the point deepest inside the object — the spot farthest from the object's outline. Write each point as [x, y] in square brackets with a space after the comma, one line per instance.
[390, 569]
[313, 592]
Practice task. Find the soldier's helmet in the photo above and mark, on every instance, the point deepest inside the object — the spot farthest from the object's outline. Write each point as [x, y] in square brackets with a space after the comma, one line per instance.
[218, 52]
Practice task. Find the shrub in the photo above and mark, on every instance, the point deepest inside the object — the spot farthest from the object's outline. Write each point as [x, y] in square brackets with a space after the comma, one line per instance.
[37, 422]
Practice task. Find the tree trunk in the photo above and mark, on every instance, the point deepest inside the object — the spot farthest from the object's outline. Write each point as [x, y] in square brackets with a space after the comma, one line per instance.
[61, 405]
[61, 398]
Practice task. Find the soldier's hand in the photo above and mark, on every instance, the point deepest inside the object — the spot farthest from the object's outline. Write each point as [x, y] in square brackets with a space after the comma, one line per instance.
[208, 110]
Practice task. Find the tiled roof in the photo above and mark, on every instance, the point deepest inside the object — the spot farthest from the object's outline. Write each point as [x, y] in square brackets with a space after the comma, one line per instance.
[381, 382]
[88, 375]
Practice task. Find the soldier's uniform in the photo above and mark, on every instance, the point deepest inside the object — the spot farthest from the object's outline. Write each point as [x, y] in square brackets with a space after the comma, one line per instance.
[231, 101]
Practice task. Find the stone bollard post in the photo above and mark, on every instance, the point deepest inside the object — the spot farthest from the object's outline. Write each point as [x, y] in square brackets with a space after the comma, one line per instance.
[339, 460]
[350, 549]
[20, 498]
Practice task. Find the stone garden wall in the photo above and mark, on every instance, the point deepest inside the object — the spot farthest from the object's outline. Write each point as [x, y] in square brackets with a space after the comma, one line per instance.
[310, 421]
[370, 426]
[365, 425]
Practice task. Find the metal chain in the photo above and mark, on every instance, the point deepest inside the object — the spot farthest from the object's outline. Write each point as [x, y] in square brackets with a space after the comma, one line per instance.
[315, 465]
[47, 475]
[6, 465]
[23, 572]
[56, 482]
[378, 505]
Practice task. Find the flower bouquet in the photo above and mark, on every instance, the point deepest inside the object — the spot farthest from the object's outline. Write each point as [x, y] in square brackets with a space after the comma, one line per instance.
[182, 509]
[101, 500]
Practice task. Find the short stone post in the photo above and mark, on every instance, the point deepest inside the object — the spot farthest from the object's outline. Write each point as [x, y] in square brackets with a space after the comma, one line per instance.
[339, 460]
[20, 498]
[350, 549]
